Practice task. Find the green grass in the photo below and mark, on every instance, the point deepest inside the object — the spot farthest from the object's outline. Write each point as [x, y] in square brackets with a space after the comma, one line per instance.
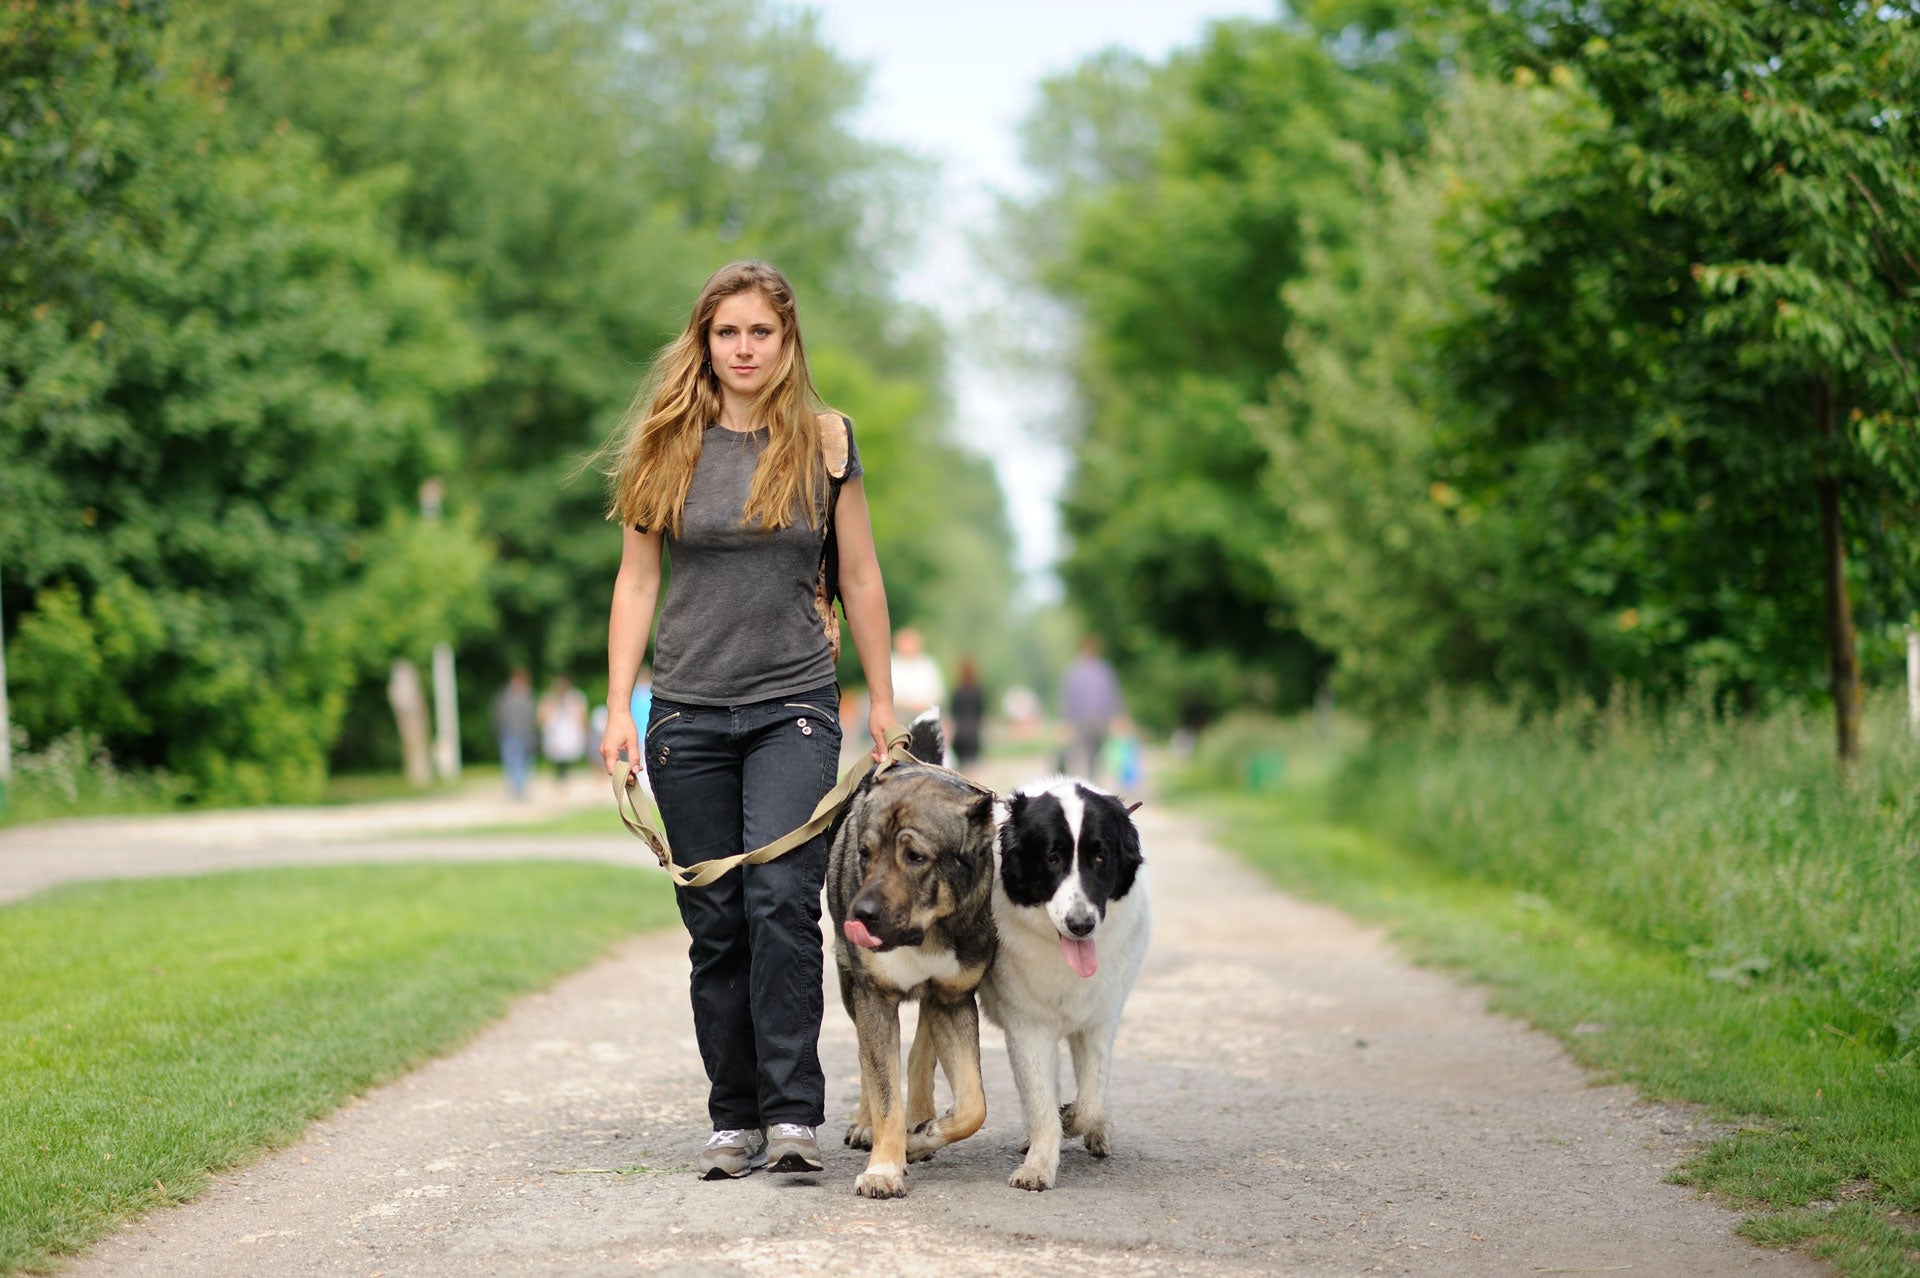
[379, 787]
[154, 1031]
[1819, 1092]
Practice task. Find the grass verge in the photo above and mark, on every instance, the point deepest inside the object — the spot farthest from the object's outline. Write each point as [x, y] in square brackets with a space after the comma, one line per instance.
[155, 1031]
[1822, 1127]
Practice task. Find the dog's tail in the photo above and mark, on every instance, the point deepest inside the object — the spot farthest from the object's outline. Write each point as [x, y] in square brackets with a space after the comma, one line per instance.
[925, 739]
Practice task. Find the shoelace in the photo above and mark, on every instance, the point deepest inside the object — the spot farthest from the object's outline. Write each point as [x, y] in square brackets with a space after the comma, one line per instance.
[731, 1136]
[797, 1131]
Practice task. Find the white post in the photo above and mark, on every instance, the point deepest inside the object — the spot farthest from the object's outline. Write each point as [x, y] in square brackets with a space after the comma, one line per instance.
[446, 709]
[446, 714]
[1913, 679]
[6, 723]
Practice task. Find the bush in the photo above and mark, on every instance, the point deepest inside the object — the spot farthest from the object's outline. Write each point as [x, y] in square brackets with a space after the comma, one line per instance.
[1734, 842]
[73, 776]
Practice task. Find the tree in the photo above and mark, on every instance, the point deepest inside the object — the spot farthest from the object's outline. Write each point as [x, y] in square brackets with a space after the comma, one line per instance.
[580, 169]
[1753, 173]
[219, 380]
[1184, 193]
[1406, 574]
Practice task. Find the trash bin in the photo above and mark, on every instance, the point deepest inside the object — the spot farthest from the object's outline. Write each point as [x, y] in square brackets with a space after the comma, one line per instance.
[1265, 769]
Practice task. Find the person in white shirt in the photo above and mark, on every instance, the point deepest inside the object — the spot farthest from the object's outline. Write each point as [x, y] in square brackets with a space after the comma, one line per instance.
[917, 683]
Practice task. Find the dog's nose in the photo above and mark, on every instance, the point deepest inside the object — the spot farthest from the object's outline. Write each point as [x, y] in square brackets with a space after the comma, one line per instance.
[1082, 924]
[866, 912]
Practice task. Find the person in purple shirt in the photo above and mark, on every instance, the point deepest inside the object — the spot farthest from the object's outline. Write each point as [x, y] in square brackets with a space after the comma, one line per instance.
[1089, 702]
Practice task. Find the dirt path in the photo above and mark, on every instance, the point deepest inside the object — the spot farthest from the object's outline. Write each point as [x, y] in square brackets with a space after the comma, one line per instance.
[1290, 1098]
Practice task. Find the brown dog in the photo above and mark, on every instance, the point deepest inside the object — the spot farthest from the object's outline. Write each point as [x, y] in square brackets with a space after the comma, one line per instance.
[910, 890]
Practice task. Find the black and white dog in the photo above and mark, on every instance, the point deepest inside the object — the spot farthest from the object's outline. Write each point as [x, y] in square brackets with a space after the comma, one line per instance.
[1070, 905]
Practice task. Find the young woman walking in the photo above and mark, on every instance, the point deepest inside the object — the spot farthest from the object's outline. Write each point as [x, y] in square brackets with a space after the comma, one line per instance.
[725, 465]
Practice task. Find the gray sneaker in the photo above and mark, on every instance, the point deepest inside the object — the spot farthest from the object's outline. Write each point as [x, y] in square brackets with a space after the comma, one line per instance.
[733, 1153]
[792, 1148]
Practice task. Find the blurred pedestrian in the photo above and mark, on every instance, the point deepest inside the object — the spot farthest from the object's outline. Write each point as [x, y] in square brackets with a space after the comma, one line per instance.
[968, 712]
[917, 682]
[1089, 703]
[563, 727]
[725, 465]
[513, 725]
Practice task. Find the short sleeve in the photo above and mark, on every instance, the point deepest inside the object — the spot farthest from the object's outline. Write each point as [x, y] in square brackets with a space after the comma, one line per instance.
[854, 469]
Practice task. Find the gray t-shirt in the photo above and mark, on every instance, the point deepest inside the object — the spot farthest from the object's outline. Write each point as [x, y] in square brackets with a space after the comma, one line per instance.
[739, 624]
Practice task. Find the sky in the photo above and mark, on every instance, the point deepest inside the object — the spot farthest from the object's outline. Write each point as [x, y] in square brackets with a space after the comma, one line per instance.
[951, 82]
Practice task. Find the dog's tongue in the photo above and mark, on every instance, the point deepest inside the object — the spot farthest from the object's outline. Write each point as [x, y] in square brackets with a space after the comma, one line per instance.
[1079, 955]
[857, 933]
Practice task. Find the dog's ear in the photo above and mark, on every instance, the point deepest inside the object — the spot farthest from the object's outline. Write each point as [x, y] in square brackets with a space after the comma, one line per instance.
[976, 856]
[981, 813]
[1131, 858]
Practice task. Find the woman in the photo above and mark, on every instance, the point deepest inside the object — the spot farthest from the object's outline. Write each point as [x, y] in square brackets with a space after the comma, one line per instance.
[723, 464]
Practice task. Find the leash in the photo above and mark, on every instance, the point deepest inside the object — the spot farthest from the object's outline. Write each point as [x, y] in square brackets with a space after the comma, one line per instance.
[823, 813]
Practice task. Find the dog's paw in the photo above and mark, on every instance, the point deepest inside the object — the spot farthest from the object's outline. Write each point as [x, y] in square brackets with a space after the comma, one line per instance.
[881, 1184]
[1072, 1124]
[859, 1136]
[1026, 1176]
[924, 1141]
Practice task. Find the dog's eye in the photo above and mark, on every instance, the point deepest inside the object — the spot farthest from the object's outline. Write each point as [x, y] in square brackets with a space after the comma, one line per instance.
[913, 856]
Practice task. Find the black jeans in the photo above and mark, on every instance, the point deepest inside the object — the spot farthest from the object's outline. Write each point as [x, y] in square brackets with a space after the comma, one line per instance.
[729, 779]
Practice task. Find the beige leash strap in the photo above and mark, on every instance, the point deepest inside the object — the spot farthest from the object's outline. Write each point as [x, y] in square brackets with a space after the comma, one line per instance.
[707, 871]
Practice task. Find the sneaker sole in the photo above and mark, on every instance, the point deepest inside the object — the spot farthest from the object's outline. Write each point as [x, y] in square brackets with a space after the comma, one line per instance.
[721, 1173]
[794, 1163]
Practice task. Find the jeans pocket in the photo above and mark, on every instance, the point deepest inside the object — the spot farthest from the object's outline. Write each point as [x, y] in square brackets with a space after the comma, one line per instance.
[656, 746]
[816, 713]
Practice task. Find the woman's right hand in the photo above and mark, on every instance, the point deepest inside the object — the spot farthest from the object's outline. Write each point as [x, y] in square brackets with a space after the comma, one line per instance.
[622, 737]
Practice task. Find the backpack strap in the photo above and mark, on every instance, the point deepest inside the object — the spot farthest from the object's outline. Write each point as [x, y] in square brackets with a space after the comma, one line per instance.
[836, 434]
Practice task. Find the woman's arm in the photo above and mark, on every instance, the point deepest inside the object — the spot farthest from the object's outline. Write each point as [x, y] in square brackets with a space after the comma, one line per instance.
[865, 598]
[635, 588]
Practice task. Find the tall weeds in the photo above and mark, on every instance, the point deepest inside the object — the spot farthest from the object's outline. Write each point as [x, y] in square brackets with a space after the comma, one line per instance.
[71, 776]
[1736, 842]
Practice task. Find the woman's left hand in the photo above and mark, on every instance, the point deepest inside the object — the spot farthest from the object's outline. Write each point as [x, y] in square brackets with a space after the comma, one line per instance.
[880, 721]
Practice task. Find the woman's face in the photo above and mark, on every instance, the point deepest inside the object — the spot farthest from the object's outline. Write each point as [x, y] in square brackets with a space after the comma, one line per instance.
[744, 342]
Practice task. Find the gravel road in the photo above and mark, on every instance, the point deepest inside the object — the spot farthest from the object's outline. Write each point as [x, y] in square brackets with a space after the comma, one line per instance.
[1290, 1098]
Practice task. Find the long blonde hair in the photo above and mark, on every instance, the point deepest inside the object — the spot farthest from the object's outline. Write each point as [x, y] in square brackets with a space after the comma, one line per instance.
[657, 443]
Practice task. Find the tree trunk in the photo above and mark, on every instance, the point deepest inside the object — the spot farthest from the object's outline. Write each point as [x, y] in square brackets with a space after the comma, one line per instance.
[410, 715]
[1840, 643]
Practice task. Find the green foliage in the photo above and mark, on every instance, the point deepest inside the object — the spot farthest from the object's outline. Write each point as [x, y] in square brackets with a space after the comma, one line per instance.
[1512, 348]
[1184, 193]
[1683, 292]
[1408, 579]
[158, 1031]
[271, 265]
[69, 776]
[1731, 844]
[218, 368]
[581, 171]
